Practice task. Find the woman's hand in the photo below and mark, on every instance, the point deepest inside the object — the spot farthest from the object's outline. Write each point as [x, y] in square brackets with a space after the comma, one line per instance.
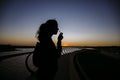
[59, 47]
[60, 37]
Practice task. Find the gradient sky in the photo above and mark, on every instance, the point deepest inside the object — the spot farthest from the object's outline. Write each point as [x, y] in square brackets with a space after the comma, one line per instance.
[83, 22]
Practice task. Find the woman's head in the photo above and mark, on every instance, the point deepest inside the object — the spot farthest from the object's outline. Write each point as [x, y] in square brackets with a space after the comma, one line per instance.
[52, 26]
[48, 28]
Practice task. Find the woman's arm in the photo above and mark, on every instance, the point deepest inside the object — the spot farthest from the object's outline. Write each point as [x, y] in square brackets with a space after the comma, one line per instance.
[59, 47]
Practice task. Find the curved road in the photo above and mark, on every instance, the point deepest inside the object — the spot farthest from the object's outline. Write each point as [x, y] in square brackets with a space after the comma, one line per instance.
[67, 70]
[14, 68]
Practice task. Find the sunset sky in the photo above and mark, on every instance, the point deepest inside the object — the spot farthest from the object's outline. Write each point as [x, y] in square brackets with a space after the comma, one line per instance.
[83, 22]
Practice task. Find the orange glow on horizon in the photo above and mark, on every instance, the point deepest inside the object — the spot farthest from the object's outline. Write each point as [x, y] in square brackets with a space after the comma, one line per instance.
[90, 44]
[21, 42]
[32, 42]
[66, 44]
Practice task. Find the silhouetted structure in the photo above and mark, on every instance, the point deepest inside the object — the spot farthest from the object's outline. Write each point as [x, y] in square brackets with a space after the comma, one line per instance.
[46, 54]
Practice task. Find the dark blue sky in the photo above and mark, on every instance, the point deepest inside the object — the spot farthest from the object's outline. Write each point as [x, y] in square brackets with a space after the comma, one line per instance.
[83, 22]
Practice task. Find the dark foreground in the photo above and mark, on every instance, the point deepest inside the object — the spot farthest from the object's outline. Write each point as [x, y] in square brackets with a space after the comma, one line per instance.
[94, 65]
[85, 64]
[12, 66]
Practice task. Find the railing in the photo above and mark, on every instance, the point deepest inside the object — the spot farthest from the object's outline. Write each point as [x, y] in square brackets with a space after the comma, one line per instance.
[66, 50]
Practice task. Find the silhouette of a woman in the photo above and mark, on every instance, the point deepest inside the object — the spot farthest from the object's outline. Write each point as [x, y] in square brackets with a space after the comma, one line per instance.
[46, 54]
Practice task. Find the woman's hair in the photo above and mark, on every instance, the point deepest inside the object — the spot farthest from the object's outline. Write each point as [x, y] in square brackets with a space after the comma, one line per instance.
[46, 28]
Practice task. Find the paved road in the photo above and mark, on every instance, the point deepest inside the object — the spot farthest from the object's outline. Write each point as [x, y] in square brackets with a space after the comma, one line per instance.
[67, 69]
[14, 68]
